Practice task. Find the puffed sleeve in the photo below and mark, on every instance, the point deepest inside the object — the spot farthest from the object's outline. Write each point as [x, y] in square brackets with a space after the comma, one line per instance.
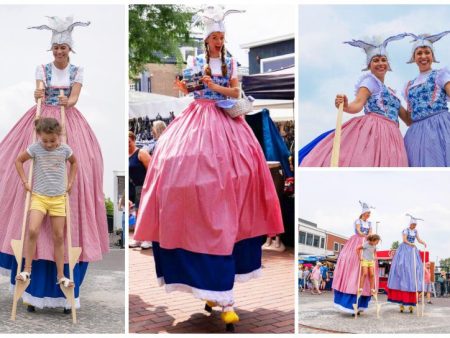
[405, 232]
[442, 78]
[370, 82]
[39, 74]
[79, 75]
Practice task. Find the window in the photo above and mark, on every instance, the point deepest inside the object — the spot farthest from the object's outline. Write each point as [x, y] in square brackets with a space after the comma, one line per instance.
[309, 239]
[342, 246]
[316, 241]
[277, 62]
[322, 242]
[336, 247]
[302, 237]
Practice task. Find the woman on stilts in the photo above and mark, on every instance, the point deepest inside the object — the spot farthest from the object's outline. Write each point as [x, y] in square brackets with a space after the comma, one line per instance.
[406, 273]
[374, 139]
[427, 140]
[348, 269]
[208, 197]
[88, 216]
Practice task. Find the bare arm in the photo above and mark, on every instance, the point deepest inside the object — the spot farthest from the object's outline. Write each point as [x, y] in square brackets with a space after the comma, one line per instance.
[358, 250]
[73, 171]
[73, 98]
[144, 157]
[20, 160]
[447, 88]
[39, 93]
[421, 241]
[405, 116]
[358, 230]
[358, 103]
[405, 240]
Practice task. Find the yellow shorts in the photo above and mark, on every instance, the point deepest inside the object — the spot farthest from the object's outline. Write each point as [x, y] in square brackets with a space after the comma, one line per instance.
[53, 205]
[367, 264]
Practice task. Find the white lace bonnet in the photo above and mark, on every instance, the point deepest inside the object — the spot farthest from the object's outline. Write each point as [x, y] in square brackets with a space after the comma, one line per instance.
[61, 29]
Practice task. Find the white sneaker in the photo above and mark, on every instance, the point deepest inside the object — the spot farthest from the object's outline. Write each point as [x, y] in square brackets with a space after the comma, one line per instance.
[134, 244]
[146, 245]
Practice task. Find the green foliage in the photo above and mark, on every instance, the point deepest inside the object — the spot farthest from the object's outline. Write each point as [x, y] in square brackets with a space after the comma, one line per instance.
[109, 205]
[395, 245]
[445, 263]
[156, 28]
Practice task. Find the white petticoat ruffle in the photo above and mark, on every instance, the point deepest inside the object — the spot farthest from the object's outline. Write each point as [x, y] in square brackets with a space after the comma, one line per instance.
[222, 298]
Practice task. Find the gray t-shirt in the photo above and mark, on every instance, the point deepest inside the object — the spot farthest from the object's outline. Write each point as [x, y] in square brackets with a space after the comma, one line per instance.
[49, 169]
[368, 251]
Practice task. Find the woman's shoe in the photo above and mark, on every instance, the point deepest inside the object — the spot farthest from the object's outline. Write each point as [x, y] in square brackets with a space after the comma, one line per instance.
[229, 318]
[23, 276]
[66, 282]
[402, 308]
[411, 309]
[31, 308]
[209, 306]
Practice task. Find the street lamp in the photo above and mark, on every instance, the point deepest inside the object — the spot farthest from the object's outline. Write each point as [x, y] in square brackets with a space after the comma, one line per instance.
[376, 227]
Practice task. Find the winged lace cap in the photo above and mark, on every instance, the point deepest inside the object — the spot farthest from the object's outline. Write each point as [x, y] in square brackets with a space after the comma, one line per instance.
[413, 220]
[425, 40]
[365, 207]
[374, 49]
[61, 29]
[213, 18]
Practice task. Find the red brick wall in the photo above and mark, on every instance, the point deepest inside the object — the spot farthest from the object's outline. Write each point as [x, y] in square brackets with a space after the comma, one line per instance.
[331, 239]
[163, 78]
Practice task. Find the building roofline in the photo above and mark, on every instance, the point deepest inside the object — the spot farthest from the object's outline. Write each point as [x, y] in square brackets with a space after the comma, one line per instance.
[268, 41]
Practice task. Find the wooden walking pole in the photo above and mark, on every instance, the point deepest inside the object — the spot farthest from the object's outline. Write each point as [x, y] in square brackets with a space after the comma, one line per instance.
[73, 252]
[423, 281]
[355, 306]
[17, 244]
[377, 282]
[337, 138]
[415, 278]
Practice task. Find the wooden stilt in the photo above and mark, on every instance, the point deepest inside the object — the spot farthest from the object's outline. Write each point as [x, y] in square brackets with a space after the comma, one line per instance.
[17, 244]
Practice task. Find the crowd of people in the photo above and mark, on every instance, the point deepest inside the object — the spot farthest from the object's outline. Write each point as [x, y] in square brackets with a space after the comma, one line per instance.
[314, 278]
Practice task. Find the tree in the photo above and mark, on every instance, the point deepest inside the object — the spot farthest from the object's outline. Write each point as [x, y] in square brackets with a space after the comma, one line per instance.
[444, 262]
[395, 245]
[109, 205]
[156, 31]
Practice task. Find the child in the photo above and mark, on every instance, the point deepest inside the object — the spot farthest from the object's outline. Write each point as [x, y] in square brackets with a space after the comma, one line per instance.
[315, 278]
[48, 192]
[428, 282]
[368, 262]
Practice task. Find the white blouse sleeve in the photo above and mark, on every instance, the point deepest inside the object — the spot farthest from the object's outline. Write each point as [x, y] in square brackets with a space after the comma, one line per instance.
[79, 75]
[370, 82]
[443, 77]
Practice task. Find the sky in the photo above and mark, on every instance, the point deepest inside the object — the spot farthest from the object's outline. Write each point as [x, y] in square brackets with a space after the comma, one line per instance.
[100, 49]
[256, 24]
[330, 199]
[328, 67]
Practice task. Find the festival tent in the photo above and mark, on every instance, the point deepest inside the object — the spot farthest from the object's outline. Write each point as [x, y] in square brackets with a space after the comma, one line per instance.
[143, 104]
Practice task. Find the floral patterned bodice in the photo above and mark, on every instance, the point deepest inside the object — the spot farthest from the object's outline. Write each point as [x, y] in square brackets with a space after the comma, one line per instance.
[51, 92]
[410, 235]
[425, 99]
[199, 64]
[364, 226]
[382, 101]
